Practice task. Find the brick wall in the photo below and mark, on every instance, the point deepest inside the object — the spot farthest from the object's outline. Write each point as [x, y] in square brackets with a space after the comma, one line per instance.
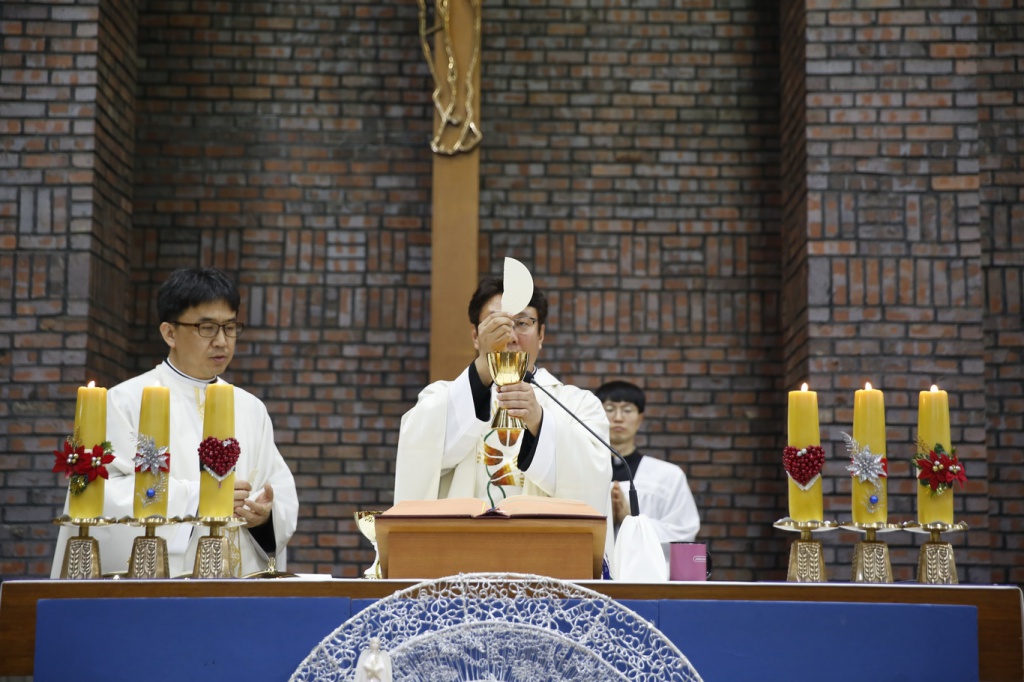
[1000, 116]
[716, 209]
[631, 159]
[65, 203]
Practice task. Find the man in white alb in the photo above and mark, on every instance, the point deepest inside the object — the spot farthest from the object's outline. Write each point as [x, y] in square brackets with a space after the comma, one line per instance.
[198, 310]
[441, 449]
[662, 490]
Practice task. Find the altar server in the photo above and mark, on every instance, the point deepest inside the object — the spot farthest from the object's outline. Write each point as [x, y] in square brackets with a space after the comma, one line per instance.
[662, 488]
[198, 309]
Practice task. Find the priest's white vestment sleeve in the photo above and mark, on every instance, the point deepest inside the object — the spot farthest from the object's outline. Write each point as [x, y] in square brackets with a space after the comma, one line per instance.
[260, 462]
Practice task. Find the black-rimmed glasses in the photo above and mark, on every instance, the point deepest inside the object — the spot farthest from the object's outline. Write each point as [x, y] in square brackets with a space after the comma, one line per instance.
[209, 330]
[524, 324]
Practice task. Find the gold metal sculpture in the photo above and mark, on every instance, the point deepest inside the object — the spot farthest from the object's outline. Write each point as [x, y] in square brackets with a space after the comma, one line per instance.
[456, 125]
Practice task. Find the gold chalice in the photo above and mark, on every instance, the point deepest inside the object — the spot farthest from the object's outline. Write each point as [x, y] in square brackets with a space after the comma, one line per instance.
[507, 367]
[365, 522]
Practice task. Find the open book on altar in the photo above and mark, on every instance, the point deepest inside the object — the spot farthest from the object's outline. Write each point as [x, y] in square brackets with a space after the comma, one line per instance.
[517, 506]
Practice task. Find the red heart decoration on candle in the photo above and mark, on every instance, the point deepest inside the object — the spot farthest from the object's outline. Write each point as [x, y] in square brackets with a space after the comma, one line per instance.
[803, 464]
[219, 456]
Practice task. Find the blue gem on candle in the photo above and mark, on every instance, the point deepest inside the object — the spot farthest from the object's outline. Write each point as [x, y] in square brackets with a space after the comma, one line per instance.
[150, 492]
[873, 499]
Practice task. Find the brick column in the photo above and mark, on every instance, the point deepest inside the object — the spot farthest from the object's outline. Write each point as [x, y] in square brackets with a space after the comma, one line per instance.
[893, 272]
[67, 119]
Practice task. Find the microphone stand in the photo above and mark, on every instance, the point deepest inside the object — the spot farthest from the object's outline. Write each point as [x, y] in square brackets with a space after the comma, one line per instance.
[634, 501]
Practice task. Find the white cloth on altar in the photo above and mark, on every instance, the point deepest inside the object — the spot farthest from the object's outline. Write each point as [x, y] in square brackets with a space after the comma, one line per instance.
[666, 500]
[260, 462]
[440, 441]
[637, 556]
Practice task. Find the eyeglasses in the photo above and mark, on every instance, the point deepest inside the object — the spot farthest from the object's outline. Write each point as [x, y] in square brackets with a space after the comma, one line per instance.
[524, 324]
[626, 410]
[209, 330]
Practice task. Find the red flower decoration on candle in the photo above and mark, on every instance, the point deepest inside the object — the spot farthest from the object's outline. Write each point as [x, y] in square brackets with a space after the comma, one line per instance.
[218, 456]
[83, 466]
[939, 469]
[803, 464]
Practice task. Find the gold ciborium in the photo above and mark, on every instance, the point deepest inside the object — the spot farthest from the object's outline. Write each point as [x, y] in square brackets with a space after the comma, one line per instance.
[507, 367]
[365, 522]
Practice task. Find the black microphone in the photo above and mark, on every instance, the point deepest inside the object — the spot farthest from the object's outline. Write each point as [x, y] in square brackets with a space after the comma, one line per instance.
[634, 501]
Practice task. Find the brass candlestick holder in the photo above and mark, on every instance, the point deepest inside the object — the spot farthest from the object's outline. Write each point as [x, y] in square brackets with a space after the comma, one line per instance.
[271, 572]
[366, 523]
[936, 564]
[213, 552]
[806, 560]
[507, 367]
[82, 552]
[149, 552]
[871, 562]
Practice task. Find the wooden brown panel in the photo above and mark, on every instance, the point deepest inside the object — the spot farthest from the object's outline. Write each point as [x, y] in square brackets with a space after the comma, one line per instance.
[566, 548]
[1000, 638]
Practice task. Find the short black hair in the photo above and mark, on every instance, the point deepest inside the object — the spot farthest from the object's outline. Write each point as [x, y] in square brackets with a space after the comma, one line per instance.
[189, 287]
[490, 287]
[622, 392]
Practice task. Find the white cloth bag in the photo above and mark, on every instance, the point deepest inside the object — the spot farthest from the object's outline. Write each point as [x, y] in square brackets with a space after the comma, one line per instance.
[637, 556]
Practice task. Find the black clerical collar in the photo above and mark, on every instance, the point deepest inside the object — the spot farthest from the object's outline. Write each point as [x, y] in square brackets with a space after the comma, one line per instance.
[619, 469]
[182, 374]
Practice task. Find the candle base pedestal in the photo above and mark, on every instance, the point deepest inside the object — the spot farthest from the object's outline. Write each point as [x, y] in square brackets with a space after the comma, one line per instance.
[936, 564]
[149, 552]
[212, 555]
[82, 552]
[806, 560]
[871, 556]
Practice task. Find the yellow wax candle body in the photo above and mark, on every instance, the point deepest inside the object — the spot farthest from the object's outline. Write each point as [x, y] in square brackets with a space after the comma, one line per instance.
[217, 498]
[154, 421]
[869, 431]
[804, 505]
[932, 430]
[90, 430]
[219, 413]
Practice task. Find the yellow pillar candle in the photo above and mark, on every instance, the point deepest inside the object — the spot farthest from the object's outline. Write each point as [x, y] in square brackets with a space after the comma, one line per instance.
[154, 422]
[870, 501]
[217, 497]
[804, 505]
[90, 430]
[932, 430]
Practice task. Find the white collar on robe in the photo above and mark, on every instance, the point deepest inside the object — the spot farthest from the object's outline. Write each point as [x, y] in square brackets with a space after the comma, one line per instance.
[178, 375]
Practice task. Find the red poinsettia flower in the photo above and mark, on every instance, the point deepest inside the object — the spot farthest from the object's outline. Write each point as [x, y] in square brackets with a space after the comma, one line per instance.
[940, 469]
[67, 459]
[95, 462]
[956, 472]
[932, 470]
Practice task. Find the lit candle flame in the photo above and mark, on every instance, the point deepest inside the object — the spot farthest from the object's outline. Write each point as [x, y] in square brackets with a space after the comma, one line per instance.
[935, 389]
[803, 387]
[867, 385]
[92, 384]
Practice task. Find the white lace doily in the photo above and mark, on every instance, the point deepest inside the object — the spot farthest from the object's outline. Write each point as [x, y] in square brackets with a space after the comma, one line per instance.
[500, 627]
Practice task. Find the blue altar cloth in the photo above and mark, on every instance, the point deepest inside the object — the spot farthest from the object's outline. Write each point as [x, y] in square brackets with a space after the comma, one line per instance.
[265, 638]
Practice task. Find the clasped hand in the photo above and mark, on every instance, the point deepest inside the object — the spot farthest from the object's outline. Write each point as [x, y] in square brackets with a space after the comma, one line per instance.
[255, 511]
